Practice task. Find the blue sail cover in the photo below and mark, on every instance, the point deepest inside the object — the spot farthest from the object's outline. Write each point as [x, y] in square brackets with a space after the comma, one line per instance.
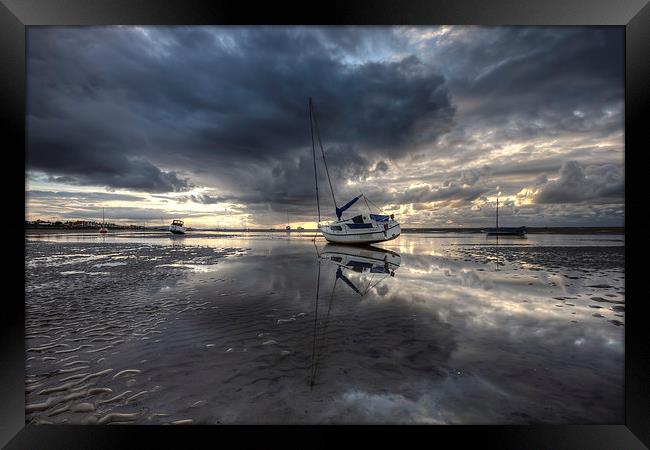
[379, 217]
[340, 210]
[339, 275]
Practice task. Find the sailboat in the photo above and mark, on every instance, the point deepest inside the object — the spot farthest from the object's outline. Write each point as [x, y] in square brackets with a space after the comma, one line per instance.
[103, 229]
[288, 227]
[505, 231]
[360, 229]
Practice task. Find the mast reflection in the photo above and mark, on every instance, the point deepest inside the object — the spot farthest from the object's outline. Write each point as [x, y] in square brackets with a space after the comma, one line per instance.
[348, 259]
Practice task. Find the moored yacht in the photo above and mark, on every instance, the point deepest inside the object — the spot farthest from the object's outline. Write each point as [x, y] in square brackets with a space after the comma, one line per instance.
[505, 231]
[359, 229]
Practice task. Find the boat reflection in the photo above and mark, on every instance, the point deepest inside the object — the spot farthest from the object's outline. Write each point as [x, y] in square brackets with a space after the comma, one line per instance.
[355, 259]
[362, 260]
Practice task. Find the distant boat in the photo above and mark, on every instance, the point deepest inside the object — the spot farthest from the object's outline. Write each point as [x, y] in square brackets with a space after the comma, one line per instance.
[288, 227]
[505, 231]
[103, 229]
[360, 229]
[300, 228]
[177, 227]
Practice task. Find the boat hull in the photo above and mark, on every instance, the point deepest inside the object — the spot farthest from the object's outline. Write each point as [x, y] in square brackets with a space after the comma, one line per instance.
[506, 234]
[362, 237]
[175, 229]
[516, 232]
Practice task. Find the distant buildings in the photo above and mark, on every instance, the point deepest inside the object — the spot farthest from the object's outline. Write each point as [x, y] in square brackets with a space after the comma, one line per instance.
[76, 224]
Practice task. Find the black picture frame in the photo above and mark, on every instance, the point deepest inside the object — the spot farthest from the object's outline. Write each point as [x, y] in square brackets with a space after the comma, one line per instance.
[634, 15]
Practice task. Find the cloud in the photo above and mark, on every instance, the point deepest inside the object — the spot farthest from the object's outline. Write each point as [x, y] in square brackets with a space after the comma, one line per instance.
[576, 183]
[213, 98]
[138, 176]
[448, 191]
[529, 81]
[466, 186]
[133, 214]
[205, 199]
[36, 194]
[408, 115]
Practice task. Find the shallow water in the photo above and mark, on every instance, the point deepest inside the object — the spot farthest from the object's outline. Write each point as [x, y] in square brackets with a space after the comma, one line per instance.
[211, 328]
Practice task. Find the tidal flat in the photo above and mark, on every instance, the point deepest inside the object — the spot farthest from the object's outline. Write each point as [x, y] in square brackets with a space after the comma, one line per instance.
[274, 328]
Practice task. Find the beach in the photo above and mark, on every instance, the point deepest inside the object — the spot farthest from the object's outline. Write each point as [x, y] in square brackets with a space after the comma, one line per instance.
[275, 328]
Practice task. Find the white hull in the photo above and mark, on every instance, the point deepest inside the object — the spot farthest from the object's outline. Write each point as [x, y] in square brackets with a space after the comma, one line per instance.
[370, 258]
[378, 233]
[175, 229]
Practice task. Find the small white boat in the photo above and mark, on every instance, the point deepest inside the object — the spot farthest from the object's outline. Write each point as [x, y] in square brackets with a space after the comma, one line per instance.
[360, 229]
[177, 227]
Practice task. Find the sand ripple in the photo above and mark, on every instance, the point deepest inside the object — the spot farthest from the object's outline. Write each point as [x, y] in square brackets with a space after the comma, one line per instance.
[79, 325]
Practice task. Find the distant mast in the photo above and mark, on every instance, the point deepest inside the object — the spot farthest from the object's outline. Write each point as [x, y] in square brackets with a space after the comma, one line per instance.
[103, 229]
[505, 231]
[497, 210]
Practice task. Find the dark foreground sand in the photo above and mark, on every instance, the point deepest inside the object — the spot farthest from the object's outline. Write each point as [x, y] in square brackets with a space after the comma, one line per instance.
[149, 334]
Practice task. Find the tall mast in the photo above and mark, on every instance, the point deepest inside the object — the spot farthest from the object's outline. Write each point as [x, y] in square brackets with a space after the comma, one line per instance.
[313, 150]
[103, 220]
[320, 144]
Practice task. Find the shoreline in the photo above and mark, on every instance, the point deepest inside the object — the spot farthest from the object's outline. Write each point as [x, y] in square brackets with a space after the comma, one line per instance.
[530, 230]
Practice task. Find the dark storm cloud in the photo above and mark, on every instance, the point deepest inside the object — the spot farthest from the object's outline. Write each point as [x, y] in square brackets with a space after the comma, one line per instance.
[165, 109]
[542, 81]
[74, 151]
[181, 97]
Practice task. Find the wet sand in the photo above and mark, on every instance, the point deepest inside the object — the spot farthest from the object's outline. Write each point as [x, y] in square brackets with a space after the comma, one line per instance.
[255, 328]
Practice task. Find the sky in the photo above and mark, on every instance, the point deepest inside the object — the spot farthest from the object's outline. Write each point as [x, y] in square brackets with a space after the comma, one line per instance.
[210, 124]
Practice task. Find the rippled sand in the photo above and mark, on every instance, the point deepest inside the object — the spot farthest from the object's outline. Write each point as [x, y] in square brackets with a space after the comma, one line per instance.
[262, 330]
